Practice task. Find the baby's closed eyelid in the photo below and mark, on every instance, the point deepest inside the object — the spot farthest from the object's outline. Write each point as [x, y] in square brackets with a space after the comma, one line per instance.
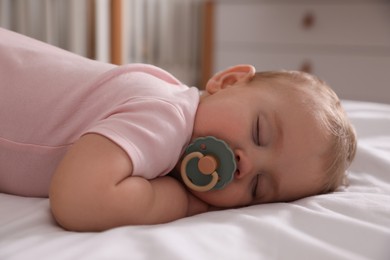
[255, 186]
[256, 131]
[272, 190]
[263, 129]
[267, 190]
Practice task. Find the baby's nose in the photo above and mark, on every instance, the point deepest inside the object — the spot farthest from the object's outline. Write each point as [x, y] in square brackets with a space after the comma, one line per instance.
[244, 164]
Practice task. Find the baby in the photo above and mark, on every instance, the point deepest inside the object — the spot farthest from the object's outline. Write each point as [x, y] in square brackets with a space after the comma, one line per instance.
[105, 143]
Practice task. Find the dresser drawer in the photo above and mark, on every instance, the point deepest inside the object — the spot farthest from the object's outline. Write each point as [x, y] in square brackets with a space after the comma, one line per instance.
[357, 77]
[320, 23]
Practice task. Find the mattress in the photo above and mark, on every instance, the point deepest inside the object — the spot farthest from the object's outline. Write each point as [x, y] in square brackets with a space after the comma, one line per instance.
[351, 223]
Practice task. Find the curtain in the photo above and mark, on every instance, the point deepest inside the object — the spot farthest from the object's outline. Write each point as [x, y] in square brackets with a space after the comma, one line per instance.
[167, 33]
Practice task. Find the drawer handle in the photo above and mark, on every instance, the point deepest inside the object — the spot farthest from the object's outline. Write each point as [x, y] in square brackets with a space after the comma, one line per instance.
[308, 21]
[307, 66]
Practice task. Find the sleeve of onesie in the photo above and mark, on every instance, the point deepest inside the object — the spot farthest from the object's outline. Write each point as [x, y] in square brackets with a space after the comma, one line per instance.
[152, 130]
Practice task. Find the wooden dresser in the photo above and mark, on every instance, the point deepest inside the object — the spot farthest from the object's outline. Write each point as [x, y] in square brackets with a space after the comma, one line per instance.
[346, 43]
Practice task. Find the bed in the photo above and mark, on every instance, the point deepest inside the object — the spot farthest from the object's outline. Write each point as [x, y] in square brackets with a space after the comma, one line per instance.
[352, 223]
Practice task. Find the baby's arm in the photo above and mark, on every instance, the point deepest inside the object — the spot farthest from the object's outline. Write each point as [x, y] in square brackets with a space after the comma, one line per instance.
[93, 189]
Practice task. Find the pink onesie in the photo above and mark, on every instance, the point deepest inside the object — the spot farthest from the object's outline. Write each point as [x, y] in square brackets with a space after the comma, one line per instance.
[49, 98]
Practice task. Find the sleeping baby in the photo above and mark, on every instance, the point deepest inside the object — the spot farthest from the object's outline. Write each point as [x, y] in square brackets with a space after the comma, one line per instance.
[111, 145]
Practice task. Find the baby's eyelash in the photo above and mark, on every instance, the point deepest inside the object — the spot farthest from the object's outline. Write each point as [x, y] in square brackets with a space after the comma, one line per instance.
[257, 131]
[254, 189]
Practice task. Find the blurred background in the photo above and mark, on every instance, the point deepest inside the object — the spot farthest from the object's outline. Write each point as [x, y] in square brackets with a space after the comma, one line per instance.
[344, 42]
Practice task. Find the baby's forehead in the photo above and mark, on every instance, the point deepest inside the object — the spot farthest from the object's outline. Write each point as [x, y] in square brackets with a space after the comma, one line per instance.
[295, 94]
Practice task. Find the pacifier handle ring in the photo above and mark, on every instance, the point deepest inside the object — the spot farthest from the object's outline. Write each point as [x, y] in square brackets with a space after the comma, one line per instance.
[188, 182]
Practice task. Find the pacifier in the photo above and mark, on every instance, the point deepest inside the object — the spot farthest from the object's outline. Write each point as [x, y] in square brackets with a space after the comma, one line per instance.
[208, 164]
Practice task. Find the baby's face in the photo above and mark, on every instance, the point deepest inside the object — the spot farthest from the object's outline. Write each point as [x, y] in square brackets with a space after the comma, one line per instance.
[279, 147]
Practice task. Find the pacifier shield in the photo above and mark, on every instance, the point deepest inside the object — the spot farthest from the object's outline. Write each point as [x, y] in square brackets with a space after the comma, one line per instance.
[209, 157]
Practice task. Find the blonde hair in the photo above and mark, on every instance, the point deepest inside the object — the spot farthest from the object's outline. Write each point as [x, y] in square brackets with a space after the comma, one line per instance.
[326, 107]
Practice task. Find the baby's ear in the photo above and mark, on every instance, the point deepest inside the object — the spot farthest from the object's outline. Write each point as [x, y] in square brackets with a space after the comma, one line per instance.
[233, 75]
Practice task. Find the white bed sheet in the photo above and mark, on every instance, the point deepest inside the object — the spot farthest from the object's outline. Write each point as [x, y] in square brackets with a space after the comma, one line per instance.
[353, 223]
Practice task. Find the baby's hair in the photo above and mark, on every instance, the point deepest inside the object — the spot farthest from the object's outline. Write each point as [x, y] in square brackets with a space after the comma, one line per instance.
[326, 107]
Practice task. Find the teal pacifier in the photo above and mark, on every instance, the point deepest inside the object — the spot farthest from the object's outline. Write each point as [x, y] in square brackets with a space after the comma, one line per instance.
[208, 164]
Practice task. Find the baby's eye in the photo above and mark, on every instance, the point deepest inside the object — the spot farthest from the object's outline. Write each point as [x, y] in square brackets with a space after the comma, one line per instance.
[254, 187]
[256, 132]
